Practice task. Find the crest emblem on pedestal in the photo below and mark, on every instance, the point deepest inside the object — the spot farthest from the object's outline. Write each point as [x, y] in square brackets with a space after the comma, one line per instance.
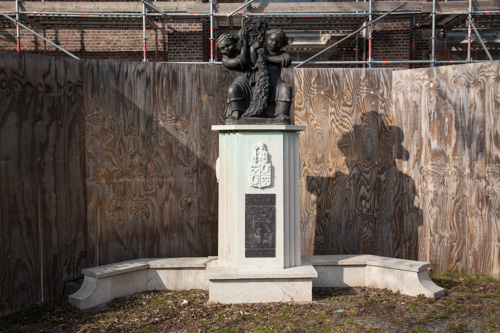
[260, 167]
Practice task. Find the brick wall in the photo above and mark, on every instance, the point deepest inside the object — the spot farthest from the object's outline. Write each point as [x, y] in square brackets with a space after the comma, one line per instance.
[175, 42]
[189, 42]
[391, 41]
[422, 47]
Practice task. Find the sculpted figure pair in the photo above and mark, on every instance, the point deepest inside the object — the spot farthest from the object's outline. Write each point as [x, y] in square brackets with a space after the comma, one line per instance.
[257, 57]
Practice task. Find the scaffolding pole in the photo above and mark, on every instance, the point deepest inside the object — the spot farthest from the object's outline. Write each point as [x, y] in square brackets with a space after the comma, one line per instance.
[465, 12]
[181, 14]
[364, 44]
[445, 38]
[156, 45]
[312, 14]
[469, 34]
[40, 36]
[144, 36]
[269, 14]
[245, 5]
[382, 62]
[18, 31]
[370, 25]
[357, 47]
[433, 36]
[44, 43]
[413, 42]
[481, 40]
[343, 62]
[212, 31]
[350, 35]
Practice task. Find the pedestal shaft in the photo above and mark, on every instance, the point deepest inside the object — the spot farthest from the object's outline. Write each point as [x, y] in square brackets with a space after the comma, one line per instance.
[259, 172]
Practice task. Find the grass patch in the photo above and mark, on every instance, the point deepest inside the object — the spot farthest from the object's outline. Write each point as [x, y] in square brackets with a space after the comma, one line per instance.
[471, 302]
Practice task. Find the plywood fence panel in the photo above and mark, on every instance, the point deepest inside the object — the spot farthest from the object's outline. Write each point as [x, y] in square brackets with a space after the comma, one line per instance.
[451, 115]
[42, 236]
[150, 156]
[405, 168]
[348, 168]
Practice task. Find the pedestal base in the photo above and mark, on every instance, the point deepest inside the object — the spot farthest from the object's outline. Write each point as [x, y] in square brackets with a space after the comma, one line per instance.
[263, 286]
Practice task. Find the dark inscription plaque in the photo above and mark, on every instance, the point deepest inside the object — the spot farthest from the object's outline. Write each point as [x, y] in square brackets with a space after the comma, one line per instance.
[260, 225]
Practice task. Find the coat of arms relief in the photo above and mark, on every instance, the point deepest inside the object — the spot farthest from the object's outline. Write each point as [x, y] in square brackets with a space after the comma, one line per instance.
[260, 167]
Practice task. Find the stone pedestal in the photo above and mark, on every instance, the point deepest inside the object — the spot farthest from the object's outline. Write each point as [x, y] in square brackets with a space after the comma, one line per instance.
[259, 217]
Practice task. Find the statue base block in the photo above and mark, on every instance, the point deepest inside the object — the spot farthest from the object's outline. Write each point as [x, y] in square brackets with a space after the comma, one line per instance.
[246, 286]
[258, 121]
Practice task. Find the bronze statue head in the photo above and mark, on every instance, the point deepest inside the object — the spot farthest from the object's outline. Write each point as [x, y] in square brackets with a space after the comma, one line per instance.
[276, 39]
[226, 43]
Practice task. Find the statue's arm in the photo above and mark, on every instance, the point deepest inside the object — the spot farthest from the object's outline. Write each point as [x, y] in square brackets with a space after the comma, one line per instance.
[283, 59]
[234, 63]
[243, 57]
[253, 52]
[244, 45]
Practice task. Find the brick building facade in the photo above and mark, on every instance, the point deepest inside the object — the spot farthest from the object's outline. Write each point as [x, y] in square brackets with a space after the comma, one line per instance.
[187, 39]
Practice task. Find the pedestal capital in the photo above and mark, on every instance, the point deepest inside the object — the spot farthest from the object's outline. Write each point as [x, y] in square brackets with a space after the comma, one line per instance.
[259, 128]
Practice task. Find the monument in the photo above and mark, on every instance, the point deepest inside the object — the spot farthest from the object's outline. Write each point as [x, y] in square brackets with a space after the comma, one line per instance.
[258, 170]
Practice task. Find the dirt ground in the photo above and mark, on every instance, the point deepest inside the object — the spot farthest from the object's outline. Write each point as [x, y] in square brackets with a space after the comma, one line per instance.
[471, 304]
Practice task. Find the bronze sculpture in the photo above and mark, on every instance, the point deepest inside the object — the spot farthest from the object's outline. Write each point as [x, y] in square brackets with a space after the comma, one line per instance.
[258, 93]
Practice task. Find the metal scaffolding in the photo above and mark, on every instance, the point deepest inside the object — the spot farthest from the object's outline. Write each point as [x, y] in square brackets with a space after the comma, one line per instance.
[355, 21]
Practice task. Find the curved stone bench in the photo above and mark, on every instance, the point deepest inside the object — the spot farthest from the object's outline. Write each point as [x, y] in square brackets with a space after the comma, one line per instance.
[406, 276]
[104, 283]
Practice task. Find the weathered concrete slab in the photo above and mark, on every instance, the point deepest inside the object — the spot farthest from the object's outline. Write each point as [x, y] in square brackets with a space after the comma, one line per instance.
[105, 283]
[115, 269]
[230, 286]
[409, 277]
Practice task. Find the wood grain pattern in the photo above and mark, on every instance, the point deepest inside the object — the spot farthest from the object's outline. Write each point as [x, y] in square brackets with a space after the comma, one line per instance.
[150, 157]
[348, 165]
[410, 170]
[118, 167]
[210, 111]
[42, 235]
[453, 116]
